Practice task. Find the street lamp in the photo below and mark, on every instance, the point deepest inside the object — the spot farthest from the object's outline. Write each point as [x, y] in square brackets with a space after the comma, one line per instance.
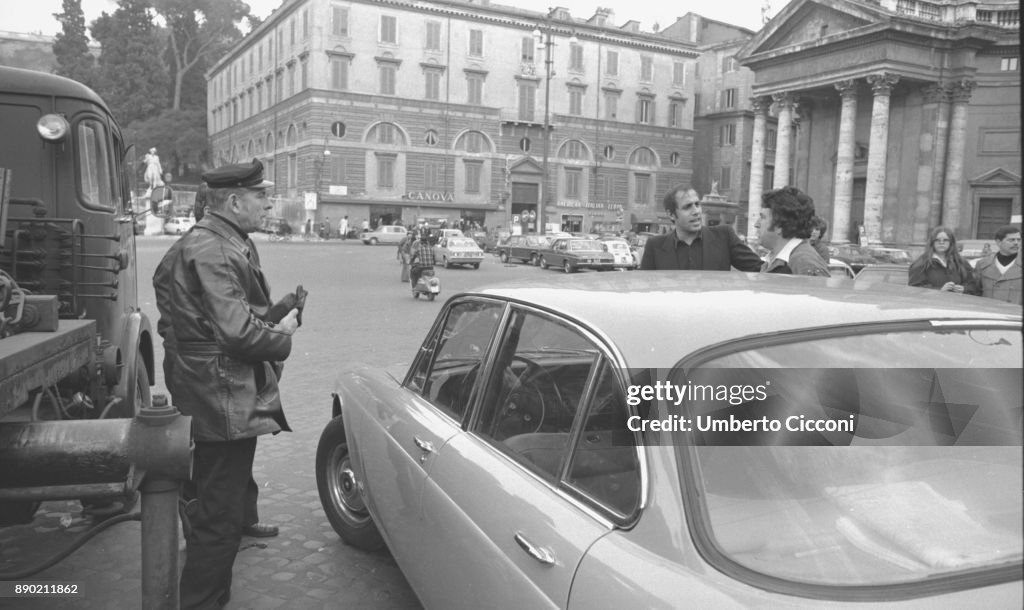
[543, 38]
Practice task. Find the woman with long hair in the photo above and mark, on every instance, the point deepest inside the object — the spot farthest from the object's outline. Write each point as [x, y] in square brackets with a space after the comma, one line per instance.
[941, 266]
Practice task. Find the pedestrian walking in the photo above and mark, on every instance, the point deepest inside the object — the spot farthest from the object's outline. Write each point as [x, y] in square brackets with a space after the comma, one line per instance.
[343, 227]
[783, 227]
[229, 344]
[692, 245]
[998, 275]
[940, 266]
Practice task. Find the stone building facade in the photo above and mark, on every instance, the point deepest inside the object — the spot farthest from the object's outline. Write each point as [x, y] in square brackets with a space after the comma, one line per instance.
[394, 111]
[901, 114]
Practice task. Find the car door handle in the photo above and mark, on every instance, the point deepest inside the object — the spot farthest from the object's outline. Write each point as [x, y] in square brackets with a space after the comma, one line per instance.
[425, 446]
[539, 553]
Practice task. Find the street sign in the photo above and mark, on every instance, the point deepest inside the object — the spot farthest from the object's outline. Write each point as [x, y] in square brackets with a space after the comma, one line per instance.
[309, 199]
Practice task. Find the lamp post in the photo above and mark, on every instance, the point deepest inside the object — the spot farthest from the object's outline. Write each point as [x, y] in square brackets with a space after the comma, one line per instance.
[543, 35]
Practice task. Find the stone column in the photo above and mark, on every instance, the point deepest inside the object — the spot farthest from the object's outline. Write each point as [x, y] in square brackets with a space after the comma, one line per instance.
[942, 93]
[953, 191]
[930, 152]
[874, 192]
[760, 106]
[844, 161]
[784, 141]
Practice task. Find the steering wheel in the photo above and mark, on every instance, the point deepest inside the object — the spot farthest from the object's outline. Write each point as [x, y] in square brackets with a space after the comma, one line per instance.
[524, 405]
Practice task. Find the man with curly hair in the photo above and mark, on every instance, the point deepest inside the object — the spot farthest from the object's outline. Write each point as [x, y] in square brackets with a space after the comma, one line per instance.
[783, 227]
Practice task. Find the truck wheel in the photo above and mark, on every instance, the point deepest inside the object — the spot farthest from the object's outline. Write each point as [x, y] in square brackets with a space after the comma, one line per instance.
[339, 490]
[17, 512]
[137, 394]
[476, 265]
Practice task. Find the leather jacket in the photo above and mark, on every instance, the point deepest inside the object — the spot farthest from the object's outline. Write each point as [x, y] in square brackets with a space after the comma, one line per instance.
[226, 361]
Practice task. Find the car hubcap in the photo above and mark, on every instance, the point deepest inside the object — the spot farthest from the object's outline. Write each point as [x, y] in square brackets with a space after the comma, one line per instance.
[344, 488]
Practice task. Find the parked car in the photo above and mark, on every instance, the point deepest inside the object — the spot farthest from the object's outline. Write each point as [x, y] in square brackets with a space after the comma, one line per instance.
[857, 256]
[442, 233]
[480, 237]
[528, 460]
[177, 225]
[840, 269]
[384, 234]
[884, 272]
[458, 251]
[276, 228]
[523, 248]
[571, 254]
[623, 254]
[638, 242]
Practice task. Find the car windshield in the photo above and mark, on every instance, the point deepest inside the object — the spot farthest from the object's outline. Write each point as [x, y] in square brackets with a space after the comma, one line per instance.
[926, 485]
[461, 242]
[585, 244]
[889, 275]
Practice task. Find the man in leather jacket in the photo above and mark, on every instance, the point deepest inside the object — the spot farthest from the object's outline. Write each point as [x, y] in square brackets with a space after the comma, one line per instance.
[225, 368]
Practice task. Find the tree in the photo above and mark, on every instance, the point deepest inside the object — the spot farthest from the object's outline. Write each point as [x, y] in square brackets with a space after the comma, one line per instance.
[131, 77]
[71, 45]
[200, 31]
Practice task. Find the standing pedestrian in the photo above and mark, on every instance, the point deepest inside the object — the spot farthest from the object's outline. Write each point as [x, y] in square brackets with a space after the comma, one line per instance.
[224, 370]
[308, 232]
[693, 246]
[819, 226]
[998, 275]
[343, 227]
[940, 266]
[783, 227]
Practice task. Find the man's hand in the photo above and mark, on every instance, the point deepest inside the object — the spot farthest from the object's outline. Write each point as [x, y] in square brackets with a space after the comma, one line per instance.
[289, 323]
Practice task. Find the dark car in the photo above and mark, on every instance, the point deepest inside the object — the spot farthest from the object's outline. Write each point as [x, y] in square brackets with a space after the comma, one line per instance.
[574, 253]
[523, 248]
[858, 256]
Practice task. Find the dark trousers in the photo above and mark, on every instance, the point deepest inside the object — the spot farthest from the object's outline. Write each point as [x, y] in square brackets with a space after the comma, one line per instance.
[251, 516]
[221, 472]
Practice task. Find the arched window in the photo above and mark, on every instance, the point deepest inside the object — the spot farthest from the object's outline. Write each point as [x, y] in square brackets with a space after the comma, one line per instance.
[574, 150]
[644, 156]
[292, 137]
[387, 134]
[474, 142]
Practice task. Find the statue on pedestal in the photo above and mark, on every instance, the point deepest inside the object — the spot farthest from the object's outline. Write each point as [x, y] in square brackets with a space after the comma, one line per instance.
[153, 170]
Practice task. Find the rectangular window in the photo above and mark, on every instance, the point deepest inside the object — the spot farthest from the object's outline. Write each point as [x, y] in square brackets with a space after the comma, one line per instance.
[576, 57]
[433, 41]
[472, 142]
[646, 69]
[678, 74]
[644, 110]
[529, 46]
[305, 24]
[643, 188]
[612, 63]
[727, 134]
[338, 173]
[575, 101]
[769, 141]
[339, 21]
[726, 181]
[385, 171]
[304, 76]
[729, 64]
[1008, 64]
[729, 98]
[573, 177]
[475, 89]
[527, 96]
[387, 79]
[476, 43]
[389, 29]
[611, 106]
[339, 73]
[279, 87]
[431, 175]
[291, 80]
[675, 114]
[385, 133]
[293, 171]
[474, 169]
[291, 32]
[604, 188]
[432, 85]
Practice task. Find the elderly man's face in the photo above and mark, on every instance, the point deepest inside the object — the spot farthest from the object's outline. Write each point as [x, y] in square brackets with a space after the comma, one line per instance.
[251, 206]
[1009, 244]
[688, 217]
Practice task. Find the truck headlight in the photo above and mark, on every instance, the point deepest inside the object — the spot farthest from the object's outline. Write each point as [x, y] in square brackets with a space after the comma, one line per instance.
[52, 127]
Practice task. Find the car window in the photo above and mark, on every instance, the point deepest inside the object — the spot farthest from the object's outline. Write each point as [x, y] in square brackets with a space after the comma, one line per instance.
[449, 362]
[900, 463]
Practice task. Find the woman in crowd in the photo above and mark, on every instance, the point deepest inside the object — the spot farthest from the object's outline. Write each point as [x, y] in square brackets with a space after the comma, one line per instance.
[941, 266]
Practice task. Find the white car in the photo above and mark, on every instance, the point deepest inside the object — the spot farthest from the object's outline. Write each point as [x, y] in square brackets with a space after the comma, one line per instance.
[385, 234]
[178, 225]
[458, 250]
[623, 254]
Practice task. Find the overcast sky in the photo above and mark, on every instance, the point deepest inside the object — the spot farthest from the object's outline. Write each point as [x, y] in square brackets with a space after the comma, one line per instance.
[36, 16]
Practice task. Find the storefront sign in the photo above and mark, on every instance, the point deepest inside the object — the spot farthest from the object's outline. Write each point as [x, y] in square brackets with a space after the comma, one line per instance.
[338, 189]
[590, 205]
[430, 195]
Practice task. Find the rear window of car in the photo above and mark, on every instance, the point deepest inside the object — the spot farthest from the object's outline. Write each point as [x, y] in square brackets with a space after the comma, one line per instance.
[886, 458]
[461, 242]
[585, 245]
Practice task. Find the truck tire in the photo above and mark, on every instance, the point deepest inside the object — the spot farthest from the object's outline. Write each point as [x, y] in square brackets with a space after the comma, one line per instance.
[339, 494]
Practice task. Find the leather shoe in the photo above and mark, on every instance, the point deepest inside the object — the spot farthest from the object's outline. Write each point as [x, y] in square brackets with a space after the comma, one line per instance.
[260, 530]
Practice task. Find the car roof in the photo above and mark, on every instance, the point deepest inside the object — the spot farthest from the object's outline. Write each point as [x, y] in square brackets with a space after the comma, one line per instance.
[672, 313]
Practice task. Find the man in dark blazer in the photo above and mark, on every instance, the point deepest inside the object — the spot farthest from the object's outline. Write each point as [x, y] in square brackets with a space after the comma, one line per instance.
[692, 246]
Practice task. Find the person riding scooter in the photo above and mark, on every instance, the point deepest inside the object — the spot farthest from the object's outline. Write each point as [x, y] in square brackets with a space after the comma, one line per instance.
[421, 258]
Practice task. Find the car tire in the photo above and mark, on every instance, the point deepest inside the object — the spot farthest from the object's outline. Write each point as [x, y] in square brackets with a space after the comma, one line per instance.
[543, 263]
[431, 296]
[476, 265]
[535, 260]
[504, 257]
[339, 490]
[447, 265]
[373, 241]
[567, 267]
[415, 294]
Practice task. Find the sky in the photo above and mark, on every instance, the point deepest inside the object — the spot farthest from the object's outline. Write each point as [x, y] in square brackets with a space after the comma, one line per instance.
[36, 16]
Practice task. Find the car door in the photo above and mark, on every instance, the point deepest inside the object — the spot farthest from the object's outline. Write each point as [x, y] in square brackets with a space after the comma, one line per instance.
[499, 505]
[429, 409]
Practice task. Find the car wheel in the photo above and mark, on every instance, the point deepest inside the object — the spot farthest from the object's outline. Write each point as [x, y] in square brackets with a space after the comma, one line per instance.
[543, 263]
[504, 257]
[373, 241]
[567, 267]
[415, 294]
[534, 260]
[339, 490]
[476, 265]
[430, 297]
[447, 265]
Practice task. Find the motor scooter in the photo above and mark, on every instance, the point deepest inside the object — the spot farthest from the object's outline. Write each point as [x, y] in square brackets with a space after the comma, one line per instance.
[428, 285]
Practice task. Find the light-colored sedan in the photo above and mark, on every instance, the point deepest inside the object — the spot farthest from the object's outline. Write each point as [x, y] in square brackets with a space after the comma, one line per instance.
[178, 225]
[705, 440]
[385, 234]
[623, 254]
[458, 251]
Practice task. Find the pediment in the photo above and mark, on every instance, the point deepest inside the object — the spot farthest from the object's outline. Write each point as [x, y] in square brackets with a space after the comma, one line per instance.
[525, 165]
[805, 22]
[996, 177]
